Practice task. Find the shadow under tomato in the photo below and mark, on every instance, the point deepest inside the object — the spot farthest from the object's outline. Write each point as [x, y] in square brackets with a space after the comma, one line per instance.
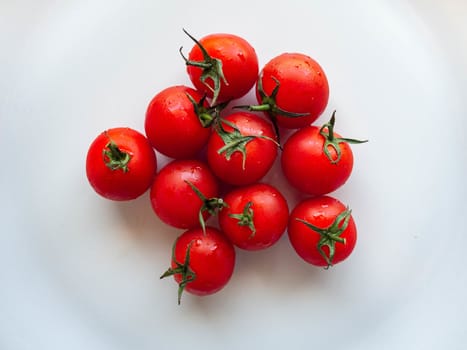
[144, 228]
[278, 268]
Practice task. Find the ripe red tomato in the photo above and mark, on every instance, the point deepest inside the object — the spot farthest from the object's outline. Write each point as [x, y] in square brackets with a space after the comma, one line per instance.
[255, 216]
[294, 83]
[317, 161]
[202, 262]
[322, 231]
[174, 196]
[174, 123]
[224, 66]
[120, 164]
[242, 148]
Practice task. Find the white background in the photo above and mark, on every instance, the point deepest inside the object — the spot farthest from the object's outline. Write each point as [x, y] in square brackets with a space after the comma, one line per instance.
[80, 272]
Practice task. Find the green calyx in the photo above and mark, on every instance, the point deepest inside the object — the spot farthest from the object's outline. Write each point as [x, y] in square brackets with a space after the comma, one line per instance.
[234, 141]
[181, 268]
[330, 235]
[114, 158]
[211, 69]
[268, 104]
[246, 218]
[327, 131]
[206, 115]
[210, 205]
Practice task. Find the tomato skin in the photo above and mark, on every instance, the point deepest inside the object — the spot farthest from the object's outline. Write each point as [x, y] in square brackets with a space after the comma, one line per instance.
[174, 201]
[171, 124]
[321, 212]
[303, 88]
[270, 216]
[239, 65]
[120, 185]
[212, 259]
[260, 153]
[306, 166]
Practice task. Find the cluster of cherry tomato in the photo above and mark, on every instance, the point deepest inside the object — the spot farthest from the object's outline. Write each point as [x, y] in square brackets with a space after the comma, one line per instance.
[219, 161]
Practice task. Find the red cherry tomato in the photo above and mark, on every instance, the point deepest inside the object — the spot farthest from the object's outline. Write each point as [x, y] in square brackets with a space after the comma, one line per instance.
[174, 122]
[242, 148]
[224, 66]
[120, 164]
[174, 196]
[302, 88]
[255, 216]
[322, 231]
[202, 262]
[317, 161]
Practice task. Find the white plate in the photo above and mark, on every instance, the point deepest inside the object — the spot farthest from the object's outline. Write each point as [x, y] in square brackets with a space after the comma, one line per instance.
[80, 272]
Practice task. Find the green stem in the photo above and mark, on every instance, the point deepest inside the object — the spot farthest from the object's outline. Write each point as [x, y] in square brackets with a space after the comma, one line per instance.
[331, 234]
[115, 158]
[211, 69]
[256, 108]
[206, 115]
[234, 141]
[269, 105]
[181, 268]
[246, 218]
[211, 205]
[330, 141]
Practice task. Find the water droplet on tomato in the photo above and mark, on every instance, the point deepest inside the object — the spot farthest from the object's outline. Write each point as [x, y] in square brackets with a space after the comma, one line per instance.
[241, 56]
